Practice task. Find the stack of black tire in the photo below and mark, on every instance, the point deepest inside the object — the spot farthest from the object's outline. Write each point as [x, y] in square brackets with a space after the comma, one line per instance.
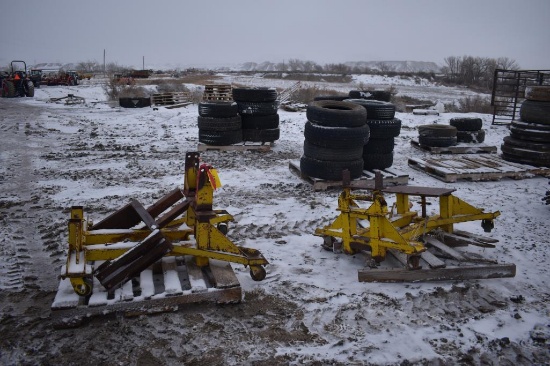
[437, 135]
[258, 110]
[529, 140]
[335, 134]
[384, 127]
[219, 123]
[468, 129]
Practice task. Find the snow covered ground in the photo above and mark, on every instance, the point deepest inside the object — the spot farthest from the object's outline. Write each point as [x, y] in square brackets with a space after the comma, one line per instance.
[310, 309]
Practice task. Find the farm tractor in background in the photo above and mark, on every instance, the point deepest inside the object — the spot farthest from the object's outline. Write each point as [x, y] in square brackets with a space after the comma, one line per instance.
[16, 82]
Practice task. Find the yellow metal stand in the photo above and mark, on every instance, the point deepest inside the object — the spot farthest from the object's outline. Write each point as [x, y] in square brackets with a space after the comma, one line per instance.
[170, 225]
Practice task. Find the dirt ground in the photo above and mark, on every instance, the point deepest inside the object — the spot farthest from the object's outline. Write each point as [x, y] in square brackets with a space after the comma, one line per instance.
[33, 236]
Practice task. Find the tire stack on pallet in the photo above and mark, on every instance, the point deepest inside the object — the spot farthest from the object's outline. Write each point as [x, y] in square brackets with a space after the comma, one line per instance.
[437, 135]
[468, 129]
[258, 110]
[219, 123]
[335, 134]
[529, 140]
[384, 127]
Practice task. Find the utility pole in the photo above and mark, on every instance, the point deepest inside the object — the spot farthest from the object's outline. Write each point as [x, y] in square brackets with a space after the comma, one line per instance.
[104, 69]
[143, 68]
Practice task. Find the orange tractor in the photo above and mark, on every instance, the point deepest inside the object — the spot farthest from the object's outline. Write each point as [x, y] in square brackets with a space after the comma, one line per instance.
[17, 83]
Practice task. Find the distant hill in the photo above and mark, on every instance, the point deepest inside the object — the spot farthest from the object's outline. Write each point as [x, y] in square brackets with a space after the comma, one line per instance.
[397, 66]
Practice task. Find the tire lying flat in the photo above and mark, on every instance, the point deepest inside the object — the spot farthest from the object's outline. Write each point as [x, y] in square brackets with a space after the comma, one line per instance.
[330, 170]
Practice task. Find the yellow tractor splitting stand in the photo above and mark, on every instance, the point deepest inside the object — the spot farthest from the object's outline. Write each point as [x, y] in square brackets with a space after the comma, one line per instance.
[405, 233]
[133, 238]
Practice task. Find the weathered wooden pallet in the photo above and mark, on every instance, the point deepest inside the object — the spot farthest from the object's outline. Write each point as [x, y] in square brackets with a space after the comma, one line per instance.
[217, 97]
[366, 181]
[170, 282]
[243, 146]
[442, 261]
[476, 168]
[217, 88]
[462, 148]
[171, 98]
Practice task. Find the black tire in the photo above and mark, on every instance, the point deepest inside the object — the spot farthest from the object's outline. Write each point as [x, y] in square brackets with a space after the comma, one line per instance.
[437, 141]
[529, 134]
[535, 111]
[379, 146]
[134, 102]
[375, 109]
[326, 153]
[333, 113]
[540, 158]
[358, 94]
[470, 136]
[384, 128]
[539, 93]
[522, 160]
[531, 145]
[219, 124]
[330, 170]
[220, 138]
[266, 135]
[377, 161]
[252, 121]
[331, 97]
[466, 124]
[381, 95]
[336, 137]
[258, 108]
[8, 89]
[256, 95]
[30, 89]
[437, 131]
[218, 109]
[530, 126]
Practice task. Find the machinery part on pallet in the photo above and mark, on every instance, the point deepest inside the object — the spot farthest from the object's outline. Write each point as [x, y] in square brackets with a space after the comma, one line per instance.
[336, 137]
[526, 132]
[265, 135]
[330, 170]
[218, 109]
[524, 155]
[220, 138]
[144, 236]
[384, 128]
[333, 113]
[379, 145]
[437, 131]
[530, 145]
[331, 97]
[399, 231]
[466, 123]
[252, 121]
[437, 141]
[258, 108]
[539, 93]
[535, 111]
[377, 160]
[470, 136]
[376, 109]
[327, 153]
[219, 123]
[256, 94]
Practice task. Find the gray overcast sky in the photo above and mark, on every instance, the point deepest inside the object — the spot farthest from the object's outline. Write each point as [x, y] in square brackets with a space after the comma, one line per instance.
[214, 33]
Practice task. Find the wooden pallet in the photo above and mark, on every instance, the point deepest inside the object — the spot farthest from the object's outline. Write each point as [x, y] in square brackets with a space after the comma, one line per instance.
[443, 261]
[217, 92]
[462, 148]
[243, 146]
[476, 168]
[170, 99]
[170, 282]
[366, 181]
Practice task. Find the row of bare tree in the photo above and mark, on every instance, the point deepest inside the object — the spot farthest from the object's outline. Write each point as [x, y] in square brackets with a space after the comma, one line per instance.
[475, 71]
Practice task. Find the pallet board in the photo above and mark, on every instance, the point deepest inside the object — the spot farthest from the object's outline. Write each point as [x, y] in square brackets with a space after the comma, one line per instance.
[170, 282]
[172, 98]
[476, 168]
[243, 146]
[462, 148]
[440, 262]
[217, 92]
[366, 181]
